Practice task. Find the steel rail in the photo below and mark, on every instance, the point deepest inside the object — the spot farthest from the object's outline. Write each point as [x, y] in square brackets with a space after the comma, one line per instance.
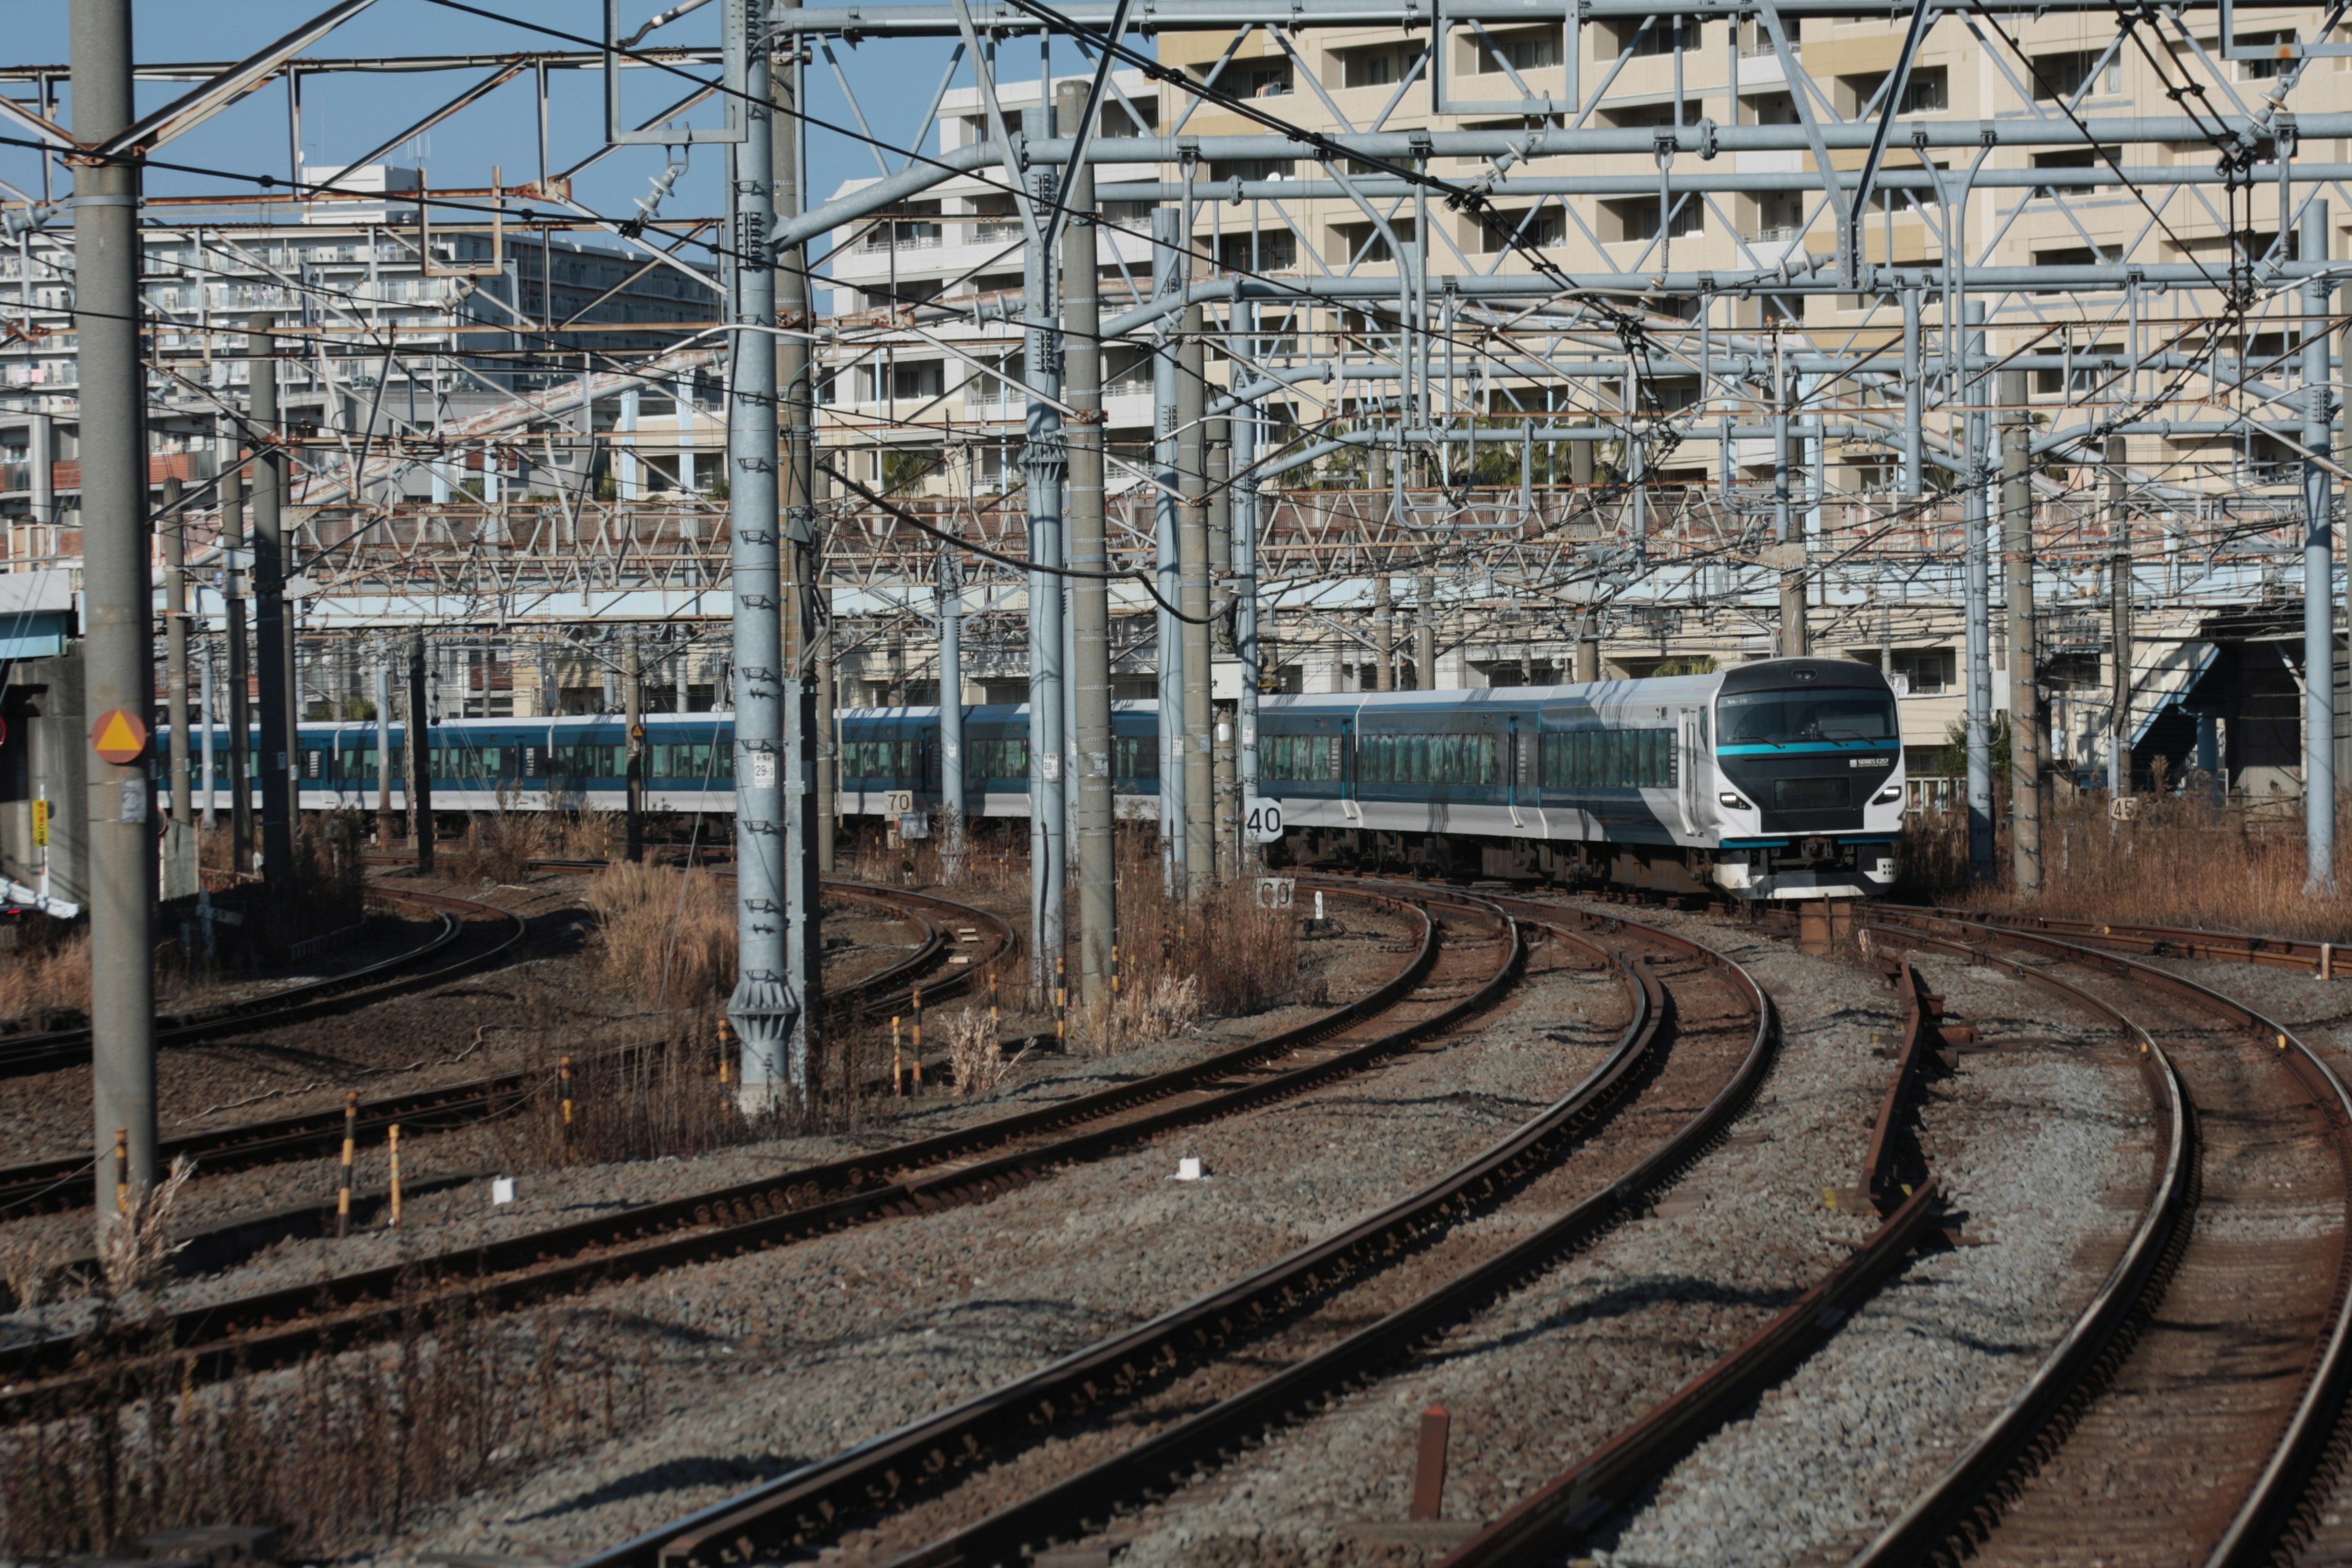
[67, 1048]
[2279, 1487]
[2320, 958]
[1544, 1525]
[788, 1514]
[268, 1328]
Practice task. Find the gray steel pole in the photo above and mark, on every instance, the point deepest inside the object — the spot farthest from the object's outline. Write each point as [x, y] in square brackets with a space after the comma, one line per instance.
[117, 647]
[1247, 646]
[1090, 595]
[416, 743]
[1192, 561]
[387, 826]
[1168, 277]
[1424, 631]
[234, 585]
[2119, 596]
[1794, 641]
[2024, 644]
[1914, 467]
[2318, 577]
[1218, 454]
[175, 650]
[1044, 464]
[210, 818]
[633, 711]
[269, 649]
[806, 615]
[951, 795]
[764, 1009]
[1979, 618]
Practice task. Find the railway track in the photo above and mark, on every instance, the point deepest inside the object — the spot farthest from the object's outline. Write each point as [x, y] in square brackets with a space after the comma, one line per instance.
[1051, 1455]
[1441, 983]
[2325, 959]
[43, 1186]
[372, 983]
[2184, 1415]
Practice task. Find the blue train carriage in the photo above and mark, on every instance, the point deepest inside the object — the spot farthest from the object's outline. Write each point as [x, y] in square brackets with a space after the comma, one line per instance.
[487, 764]
[1637, 783]
[889, 750]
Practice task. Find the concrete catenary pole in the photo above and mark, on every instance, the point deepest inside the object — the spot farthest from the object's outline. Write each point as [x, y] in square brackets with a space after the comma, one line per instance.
[1168, 276]
[118, 648]
[1044, 463]
[387, 826]
[807, 715]
[765, 1009]
[1795, 639]
[269, 604]
[952, 803]
[179, 843]
[209, 817]
[1978, 589]
[2119, 609]
[2024, 644]
[1424, 631]
[2318, 575]
[632, 712]
[1218, 453]
[234, 585]
[1192, 555]
[416, 746]
[1089, 553]
[1247, 646]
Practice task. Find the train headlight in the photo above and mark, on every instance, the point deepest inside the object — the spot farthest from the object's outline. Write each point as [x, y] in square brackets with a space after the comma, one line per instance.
[1888, 796]
[1734, 802]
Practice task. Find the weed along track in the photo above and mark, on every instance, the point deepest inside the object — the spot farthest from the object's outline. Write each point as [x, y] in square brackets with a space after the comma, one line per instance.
[1047, 1457]
[1466, 958]
[954, 943]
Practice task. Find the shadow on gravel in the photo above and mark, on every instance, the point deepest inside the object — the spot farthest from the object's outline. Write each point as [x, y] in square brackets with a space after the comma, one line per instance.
[738, 1471]
[1630, 1301]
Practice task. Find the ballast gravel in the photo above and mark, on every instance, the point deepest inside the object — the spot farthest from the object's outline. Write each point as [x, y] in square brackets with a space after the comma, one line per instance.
[759, 1364]
[2042, 1144]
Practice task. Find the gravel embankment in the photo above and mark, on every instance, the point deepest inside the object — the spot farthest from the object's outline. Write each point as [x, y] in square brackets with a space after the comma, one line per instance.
[759, 1364]
[2043, 1144]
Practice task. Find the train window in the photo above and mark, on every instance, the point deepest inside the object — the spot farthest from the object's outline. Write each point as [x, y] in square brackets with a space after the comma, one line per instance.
[1782, 717]
[997, 760]
[1135, 756]
[1609, 759]
[1299, 758]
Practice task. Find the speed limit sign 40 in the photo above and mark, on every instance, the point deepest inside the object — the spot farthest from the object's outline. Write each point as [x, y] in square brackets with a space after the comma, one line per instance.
[1262, 821]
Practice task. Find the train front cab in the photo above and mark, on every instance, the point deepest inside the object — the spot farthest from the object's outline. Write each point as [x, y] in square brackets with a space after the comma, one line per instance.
[1809, 780]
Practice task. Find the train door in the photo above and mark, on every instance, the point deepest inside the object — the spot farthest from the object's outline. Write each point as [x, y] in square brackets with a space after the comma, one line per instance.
[1692, 768]
[1515, 773]
[1344, 770]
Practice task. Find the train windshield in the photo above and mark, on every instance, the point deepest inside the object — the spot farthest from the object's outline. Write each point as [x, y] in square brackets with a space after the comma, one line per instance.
[1785, 718]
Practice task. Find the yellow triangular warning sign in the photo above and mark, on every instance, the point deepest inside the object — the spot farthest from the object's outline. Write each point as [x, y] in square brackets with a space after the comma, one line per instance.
[119, 736]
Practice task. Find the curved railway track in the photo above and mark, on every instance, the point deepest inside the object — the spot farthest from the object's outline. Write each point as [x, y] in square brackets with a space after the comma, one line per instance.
[1142, 1412]
[1441, 982]
[372, 983]
[42, 1186]
[2184, 1415]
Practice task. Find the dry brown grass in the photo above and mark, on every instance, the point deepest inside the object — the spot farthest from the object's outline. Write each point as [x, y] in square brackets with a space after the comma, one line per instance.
[135, 1248]
[340, 1451]
[974, 1057]
[2181, 860]
[499, 846]
[665, 938]
[47, 973]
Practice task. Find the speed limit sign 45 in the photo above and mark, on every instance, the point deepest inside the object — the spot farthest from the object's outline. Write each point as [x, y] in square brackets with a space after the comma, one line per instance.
[1262, 821]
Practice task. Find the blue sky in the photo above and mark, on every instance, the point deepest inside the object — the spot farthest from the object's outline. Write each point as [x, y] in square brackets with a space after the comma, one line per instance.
[347, 114]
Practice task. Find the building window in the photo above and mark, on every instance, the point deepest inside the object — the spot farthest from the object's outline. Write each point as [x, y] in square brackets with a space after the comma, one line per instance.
[1637, 218]
[1527, 49]
[2057, 76]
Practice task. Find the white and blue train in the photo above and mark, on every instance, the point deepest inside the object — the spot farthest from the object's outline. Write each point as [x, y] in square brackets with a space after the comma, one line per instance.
[1777, 779]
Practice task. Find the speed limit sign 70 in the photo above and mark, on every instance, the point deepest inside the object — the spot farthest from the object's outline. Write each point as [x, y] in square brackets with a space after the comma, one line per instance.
[1263, 820]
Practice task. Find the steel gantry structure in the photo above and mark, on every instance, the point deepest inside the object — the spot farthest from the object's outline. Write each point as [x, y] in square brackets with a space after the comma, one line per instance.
[1201, 348]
